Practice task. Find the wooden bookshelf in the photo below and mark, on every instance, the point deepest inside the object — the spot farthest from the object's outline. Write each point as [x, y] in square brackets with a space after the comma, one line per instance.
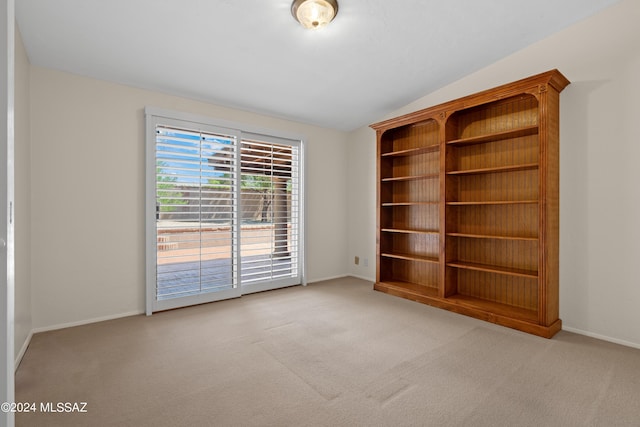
[468, 202]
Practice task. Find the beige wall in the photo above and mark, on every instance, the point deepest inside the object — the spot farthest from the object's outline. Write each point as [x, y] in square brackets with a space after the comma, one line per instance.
[600, 201]
[88, 195]
[22, 160]
[362, 202]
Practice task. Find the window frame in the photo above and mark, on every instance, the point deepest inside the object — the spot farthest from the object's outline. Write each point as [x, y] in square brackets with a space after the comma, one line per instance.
[157, 116]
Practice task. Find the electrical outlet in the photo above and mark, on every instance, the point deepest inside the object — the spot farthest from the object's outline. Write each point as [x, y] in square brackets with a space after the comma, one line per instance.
[356, 260]
[365, 262]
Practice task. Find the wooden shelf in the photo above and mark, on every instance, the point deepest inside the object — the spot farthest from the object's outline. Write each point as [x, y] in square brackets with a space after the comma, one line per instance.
[497, 136]
[391, 204]
[514, 168]
[497, 202]
[488, 236]
[495, 308]
[415, 288]
[407, 231]
[412, 151]
[411, 178]
[410, 257]
[494, 269]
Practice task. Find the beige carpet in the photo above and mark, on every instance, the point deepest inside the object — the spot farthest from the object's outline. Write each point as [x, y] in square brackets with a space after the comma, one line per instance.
[331, 354]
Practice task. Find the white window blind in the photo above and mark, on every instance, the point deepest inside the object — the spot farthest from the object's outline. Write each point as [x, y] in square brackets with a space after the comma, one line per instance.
[196, 211]
[271, 206]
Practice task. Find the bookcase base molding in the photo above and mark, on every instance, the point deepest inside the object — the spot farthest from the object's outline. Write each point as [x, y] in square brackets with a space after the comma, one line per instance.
[468, 205]
[468, 308]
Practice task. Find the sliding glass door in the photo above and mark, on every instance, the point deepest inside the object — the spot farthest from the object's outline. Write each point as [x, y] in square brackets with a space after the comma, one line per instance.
[270, 230]
[224, 213]
[196, 205]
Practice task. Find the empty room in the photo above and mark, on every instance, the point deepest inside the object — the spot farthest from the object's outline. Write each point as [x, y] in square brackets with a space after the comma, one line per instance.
[320, 213]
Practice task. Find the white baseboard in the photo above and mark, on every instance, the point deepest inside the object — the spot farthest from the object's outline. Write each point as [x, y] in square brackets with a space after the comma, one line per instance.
[324, 279]
[84, 322]
[368, 279]
[23, 350]
[601, 337]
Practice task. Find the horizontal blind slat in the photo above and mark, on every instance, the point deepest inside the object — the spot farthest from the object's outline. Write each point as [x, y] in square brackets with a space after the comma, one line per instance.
[195, 186]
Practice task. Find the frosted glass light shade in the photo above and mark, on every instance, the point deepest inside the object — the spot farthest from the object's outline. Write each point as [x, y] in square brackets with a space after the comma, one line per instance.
[314, 14]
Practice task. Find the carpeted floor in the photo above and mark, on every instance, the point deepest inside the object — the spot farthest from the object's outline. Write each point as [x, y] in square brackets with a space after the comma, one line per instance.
[334, 353]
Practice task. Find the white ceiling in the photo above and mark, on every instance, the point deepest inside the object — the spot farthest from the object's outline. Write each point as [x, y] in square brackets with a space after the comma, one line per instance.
[375, 57]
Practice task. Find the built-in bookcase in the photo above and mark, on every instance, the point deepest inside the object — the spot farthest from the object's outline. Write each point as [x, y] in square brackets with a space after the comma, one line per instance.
[468, 205]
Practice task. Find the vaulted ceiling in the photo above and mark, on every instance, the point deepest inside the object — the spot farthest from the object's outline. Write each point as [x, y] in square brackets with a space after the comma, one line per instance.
[375, 57]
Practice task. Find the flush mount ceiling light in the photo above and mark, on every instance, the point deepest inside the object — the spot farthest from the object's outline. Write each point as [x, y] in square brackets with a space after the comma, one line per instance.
[314, 14]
